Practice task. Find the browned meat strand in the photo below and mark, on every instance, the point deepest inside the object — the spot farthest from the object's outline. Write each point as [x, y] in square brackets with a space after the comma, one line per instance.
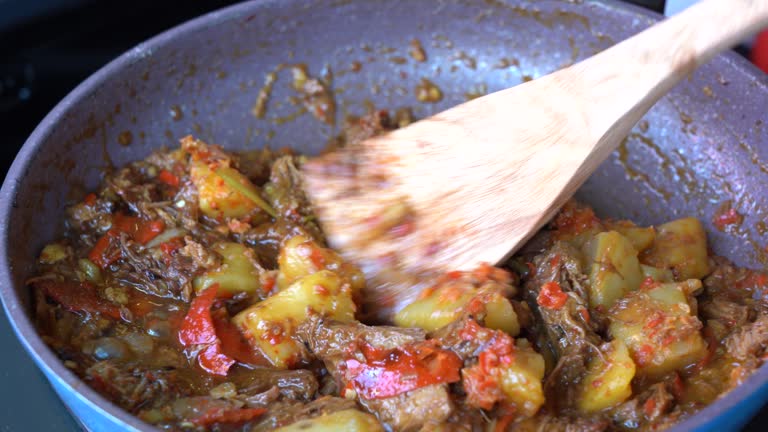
[749, 341]
[646, 408]
[563, 331]
[300, 384]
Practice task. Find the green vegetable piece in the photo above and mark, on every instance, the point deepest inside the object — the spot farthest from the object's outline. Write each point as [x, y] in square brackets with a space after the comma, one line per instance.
[91, 270]
[52, 253]
[240, 183]
[237, 272]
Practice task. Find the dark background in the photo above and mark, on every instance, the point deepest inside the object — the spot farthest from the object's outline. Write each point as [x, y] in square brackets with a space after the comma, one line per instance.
[47, 47]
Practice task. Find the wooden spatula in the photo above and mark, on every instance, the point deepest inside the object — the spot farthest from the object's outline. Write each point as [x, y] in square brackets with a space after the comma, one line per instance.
[471, 184]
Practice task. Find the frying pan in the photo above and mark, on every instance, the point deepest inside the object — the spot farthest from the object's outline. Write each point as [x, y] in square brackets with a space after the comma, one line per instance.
[702, 145]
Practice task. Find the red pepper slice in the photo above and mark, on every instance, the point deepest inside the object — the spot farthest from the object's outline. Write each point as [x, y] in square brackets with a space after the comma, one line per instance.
[136, 228]
[198, 328]
[99, 252]
[232, 342]
[90, 199]
[222, 415]
[168, 178]
[80, 297]
[146, 231]
[213, 361]
[390, 373]
[172, 245]
[482, 381]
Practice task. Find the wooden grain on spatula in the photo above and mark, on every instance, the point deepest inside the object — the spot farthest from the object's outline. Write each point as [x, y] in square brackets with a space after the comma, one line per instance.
[471, 184]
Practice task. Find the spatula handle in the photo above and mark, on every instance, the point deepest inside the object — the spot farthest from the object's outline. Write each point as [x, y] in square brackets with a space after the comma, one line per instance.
[624, 81]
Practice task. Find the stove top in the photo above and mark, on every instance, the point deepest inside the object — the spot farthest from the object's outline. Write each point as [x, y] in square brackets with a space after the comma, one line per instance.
[47, 48]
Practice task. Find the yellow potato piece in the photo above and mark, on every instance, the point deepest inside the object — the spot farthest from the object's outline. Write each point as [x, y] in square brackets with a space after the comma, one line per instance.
[237, 272]
[521, 381]
[270, 325]
[350, 420]
[448, 302]
[681, 246]
[658, 327]
[657, 274]
[301, 256]
[607, 383]
[641, 237]
[613, 268]
[215, 197]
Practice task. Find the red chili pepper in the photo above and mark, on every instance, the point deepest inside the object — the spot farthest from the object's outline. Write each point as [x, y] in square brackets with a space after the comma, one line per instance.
[505, 417]
[232, 342]
[233, 415]
[168, 178]
[99, 252]
[644, 355]
[574, 220]
[137, 229]
[725, 217]
[317, 258]
[269, 284]
[654, 320]
[78, 297]
[390, 373]
[482, 380]
[90, 199]
[551, 296]
[455, 274]
[584, 315]
[678, 387]
[213, 361]
[198, 329]
[145, 232]
[649, 406]
[171, 245]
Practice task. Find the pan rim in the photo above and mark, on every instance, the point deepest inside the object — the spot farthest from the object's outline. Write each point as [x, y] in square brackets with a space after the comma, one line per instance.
[51, 365]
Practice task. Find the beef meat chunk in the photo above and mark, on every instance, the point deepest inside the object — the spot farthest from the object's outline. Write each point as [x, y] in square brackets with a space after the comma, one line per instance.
[333, 342]
[749, 341]
[299, 384]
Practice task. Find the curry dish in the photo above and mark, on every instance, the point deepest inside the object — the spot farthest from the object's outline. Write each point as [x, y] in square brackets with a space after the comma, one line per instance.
[195, 290]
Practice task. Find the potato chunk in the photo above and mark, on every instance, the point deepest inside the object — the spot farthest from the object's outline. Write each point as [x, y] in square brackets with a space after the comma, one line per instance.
[681, 246]
[506, 374]
[521, 381]
[614, 268]
[301, 256]
[237, 273]
[657, 274]
[270, 325]
[608, 380]
[641, 238]
[448, 302]
[350, 420]
[659, 328]
[216, 198]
